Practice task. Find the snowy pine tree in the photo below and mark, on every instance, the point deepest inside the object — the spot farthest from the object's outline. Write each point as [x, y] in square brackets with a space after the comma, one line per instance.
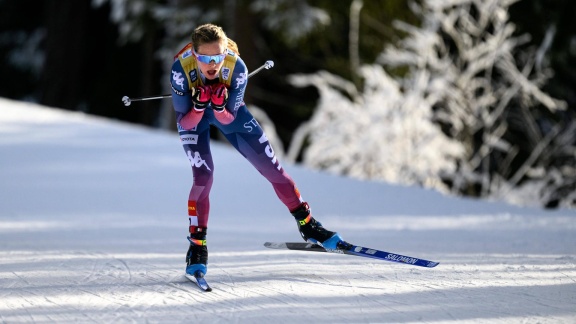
[381, 133]
[467, 113]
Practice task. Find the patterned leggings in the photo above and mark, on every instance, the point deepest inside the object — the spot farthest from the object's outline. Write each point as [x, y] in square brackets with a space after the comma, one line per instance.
[246, 135]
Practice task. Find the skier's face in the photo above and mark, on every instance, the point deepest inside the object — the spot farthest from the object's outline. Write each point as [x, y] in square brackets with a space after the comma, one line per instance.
[215, 49]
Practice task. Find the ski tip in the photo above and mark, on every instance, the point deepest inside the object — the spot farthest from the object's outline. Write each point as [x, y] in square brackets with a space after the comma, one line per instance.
[198, 279]
[432, 264]
[206, 288]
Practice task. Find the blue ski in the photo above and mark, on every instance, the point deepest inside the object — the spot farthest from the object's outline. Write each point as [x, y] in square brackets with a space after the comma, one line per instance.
[351, 249]
[199, 280]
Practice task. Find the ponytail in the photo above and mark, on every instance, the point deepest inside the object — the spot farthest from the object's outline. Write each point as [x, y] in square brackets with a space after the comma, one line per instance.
[233, 46]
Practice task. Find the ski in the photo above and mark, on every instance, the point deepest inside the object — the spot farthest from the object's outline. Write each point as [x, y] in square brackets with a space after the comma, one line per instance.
[351, 249]
[199, 280]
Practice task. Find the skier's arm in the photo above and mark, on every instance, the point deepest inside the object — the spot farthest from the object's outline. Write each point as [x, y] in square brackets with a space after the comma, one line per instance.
[235, 94]
[182, 102]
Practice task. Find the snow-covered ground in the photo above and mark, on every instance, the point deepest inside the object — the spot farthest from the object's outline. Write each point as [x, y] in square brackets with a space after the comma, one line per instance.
[93, 228]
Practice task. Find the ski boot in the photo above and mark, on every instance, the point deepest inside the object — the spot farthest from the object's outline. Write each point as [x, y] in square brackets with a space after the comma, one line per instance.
[313, 231]
[197, 255]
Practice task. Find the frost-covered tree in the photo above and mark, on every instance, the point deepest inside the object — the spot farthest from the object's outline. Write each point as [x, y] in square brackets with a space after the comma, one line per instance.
[467, 110]
[384, 132]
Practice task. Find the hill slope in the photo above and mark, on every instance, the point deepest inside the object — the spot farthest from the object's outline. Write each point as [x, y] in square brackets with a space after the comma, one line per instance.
[93, 228]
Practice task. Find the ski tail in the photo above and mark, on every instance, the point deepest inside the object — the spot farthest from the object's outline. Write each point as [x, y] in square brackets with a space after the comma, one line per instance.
[300, 246]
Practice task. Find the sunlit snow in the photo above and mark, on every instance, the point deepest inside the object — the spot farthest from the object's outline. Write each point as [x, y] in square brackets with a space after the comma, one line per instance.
[93, 228]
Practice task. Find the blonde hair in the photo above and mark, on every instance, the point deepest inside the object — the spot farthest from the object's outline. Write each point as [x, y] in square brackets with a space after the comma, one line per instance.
[209, 33]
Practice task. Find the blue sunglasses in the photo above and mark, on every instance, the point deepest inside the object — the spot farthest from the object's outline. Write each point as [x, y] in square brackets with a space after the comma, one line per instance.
[207, 59]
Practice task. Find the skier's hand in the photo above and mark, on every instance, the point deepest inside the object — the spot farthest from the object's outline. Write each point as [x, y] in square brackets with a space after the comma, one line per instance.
[219, 97]
[201, 97]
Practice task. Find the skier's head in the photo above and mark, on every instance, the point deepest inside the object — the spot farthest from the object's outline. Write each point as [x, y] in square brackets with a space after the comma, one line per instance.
[209, 43]
[208, 33]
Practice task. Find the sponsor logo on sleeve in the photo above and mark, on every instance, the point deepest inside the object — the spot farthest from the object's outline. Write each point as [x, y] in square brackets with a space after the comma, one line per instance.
[178, 79]
[241, 79]
[178, 92]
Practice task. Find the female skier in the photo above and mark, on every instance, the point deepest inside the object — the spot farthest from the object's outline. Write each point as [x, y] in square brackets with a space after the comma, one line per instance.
[208, 83]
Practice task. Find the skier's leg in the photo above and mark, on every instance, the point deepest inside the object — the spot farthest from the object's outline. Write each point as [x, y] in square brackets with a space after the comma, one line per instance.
[246, 135]
[196, 143]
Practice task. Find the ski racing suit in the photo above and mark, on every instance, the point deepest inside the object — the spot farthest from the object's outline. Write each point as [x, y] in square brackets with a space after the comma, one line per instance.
[240, 129]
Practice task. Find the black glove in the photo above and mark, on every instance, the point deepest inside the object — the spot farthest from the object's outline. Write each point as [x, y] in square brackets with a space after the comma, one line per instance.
[201, 97]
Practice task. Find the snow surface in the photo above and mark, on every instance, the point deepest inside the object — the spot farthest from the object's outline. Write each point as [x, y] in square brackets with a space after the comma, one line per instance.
[93, 228]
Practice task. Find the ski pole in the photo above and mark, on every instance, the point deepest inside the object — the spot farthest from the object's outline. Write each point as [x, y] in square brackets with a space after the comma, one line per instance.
[127, 100]
[267, 65]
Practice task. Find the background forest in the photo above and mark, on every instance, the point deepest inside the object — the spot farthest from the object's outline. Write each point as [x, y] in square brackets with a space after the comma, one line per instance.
[472, 97]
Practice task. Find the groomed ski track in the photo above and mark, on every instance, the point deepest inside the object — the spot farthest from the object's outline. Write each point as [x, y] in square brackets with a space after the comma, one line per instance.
[93, 230]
